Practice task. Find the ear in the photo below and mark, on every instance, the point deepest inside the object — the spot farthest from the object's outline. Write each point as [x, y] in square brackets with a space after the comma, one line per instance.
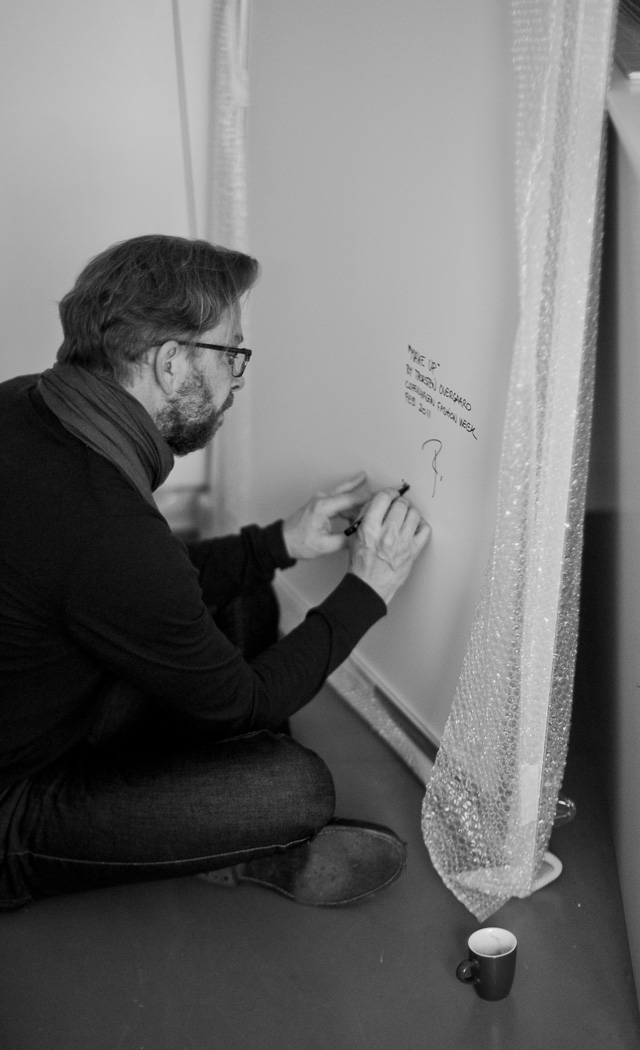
[170, 366]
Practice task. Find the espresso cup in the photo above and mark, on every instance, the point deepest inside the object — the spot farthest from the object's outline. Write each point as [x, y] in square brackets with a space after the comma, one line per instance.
[491, 964]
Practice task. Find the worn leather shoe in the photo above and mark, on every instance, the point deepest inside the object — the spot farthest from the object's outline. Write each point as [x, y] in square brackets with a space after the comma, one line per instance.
[347, 861]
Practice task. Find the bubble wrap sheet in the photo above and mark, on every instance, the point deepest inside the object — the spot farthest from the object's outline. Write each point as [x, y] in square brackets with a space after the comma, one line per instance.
[490, 802]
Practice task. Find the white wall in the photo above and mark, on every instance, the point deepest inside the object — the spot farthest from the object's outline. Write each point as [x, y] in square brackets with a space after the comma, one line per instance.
[91, 148]
[381, 184]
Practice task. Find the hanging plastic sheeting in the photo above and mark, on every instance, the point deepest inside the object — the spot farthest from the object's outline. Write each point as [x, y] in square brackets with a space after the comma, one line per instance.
[491, 799]
[230, 103]
[230, 470]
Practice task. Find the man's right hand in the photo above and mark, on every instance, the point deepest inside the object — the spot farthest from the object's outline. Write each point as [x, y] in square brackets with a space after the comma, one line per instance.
[390, 537]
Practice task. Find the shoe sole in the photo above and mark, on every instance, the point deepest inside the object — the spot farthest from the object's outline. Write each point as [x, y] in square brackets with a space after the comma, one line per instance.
[344, 863]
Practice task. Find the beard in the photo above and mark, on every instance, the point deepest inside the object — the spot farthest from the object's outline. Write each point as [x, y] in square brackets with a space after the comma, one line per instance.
[189, 419]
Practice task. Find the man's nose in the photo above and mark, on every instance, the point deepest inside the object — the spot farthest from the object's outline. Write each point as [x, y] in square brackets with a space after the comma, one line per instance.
[238, 382]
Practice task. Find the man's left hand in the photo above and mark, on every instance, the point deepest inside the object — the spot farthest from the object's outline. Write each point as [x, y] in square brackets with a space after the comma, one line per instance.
[309, 532]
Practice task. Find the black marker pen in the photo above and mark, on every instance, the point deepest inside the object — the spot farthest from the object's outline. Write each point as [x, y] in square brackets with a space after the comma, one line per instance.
[356, 524]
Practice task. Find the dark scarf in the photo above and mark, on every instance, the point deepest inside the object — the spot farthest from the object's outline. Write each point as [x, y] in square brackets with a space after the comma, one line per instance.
[110, 421]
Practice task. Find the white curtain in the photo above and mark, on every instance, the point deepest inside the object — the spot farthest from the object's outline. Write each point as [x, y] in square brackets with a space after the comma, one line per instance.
[491, 799]
[229, 466]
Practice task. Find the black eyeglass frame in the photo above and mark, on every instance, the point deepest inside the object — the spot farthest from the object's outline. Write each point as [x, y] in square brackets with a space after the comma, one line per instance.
[234, 353]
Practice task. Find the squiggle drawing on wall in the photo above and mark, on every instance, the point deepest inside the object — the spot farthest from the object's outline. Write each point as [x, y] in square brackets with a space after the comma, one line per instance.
[437, 476]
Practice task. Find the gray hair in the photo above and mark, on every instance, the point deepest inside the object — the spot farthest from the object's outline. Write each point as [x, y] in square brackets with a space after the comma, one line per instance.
[142, 292]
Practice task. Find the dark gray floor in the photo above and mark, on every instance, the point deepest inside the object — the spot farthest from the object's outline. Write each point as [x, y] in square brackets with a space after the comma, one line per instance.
[182, 965]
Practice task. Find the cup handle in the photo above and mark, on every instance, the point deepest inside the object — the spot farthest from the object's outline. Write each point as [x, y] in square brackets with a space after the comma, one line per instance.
[467, 971]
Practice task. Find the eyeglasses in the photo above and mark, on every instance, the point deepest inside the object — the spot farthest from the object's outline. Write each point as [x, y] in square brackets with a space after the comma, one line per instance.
[239, 357]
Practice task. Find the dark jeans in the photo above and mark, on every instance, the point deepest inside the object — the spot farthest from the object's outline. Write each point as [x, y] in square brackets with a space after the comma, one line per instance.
[118, 812]
[148, 800]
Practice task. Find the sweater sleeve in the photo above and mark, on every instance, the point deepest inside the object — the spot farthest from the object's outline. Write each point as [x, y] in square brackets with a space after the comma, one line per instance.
[230, 565]
[135, 605]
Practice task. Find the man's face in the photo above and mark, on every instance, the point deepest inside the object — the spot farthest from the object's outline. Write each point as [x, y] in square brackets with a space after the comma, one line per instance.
[192, 415]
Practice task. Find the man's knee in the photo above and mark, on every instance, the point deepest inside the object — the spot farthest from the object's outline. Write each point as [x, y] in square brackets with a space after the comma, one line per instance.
[311, 784]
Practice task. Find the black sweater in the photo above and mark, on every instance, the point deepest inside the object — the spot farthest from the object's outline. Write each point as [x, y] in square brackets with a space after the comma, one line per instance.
[96, 590]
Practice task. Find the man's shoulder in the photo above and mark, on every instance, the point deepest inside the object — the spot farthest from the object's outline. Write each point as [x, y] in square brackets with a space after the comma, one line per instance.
[18, 385]
[16, 396]
[17, 404]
